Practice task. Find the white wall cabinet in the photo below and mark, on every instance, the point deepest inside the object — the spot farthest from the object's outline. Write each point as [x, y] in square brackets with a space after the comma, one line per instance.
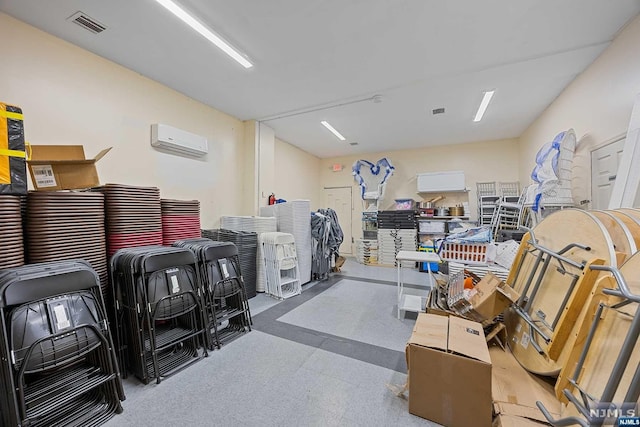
[439, 182]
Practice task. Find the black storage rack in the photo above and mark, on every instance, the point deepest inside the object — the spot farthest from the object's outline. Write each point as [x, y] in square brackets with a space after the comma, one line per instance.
[58, 363]
[404, 219]
[158, 311]
[226, 307]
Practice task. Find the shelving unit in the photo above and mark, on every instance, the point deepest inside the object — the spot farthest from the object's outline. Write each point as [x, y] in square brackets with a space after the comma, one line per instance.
[367, 251]
[396, 232]
[435, 232]
[422, 218]
[370, 225]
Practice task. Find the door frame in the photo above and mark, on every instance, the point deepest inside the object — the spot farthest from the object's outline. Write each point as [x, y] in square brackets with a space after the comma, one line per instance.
[596, 147]
[352, 253]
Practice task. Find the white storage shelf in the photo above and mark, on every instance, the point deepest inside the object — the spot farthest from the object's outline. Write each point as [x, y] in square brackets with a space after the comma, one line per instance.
[427, 218]
[462, 190]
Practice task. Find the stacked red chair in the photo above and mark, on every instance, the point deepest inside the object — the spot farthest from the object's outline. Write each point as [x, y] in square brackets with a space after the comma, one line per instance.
[132, 216]
[180, 220]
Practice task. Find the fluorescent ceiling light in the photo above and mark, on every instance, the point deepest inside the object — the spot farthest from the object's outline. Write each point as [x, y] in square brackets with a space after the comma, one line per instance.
[333, 130]
[205, 32]
[486, 99]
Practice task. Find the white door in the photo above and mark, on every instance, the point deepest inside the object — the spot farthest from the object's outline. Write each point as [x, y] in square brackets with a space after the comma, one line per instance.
[604, 168]
[339, 199]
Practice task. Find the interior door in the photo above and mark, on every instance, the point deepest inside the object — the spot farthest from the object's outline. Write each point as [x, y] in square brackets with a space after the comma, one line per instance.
[339, 199]
[604, 168]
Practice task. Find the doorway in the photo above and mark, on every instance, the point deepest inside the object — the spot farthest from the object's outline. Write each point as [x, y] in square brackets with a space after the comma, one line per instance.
[340, 200]
[604, 169]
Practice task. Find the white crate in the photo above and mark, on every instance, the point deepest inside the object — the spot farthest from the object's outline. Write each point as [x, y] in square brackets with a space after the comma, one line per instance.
[468, 253]
[479, 269]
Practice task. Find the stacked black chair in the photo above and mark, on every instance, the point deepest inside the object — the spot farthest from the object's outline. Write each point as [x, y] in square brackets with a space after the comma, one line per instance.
[58, 365]
[247, 244]
[226, 308]
[158, 311]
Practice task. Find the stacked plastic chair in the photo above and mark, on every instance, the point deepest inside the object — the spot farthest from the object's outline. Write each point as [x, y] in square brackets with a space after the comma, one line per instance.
[158, 311]
[252, 224]
[294, 217]
[508, 214]
[225, 304]
[58, 364]
[281, 265]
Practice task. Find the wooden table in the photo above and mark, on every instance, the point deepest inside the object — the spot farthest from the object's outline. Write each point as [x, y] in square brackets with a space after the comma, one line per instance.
[413, 302]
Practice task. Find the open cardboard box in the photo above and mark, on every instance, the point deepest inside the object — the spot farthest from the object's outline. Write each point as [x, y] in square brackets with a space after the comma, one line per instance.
[516, 391]
[513, 421]
[63, 167]
[492, 296]
[449, 372]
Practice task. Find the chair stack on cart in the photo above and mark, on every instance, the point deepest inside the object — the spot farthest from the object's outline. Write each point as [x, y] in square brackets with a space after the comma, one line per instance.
[58, 364]
[225, 304]
[281, 265]
[158, 313]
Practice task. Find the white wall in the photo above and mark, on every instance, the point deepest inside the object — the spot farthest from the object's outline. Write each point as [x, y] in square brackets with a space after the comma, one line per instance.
[297, 174]
[71, 96]
[597, 105]
[250, 178]
[481, 162]
[265, 145]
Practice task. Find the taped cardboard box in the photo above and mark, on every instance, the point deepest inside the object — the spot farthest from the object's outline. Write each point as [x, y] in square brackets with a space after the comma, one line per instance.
[516, 391]
[449, 372]
[513, 421]
[491, 297]
[13, 169]
[63, 167]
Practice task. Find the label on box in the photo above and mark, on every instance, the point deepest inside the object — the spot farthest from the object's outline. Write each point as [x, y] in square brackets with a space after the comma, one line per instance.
[44, 176]
[473, 331]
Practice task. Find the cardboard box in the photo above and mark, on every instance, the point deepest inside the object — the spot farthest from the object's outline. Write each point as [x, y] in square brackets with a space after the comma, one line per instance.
[492, 297]
[13, 171]
[516, 391]
[63, 167]
[513, 421]
[449, 372]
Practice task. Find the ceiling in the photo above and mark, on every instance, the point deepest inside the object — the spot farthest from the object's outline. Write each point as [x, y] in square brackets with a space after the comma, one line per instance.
[320, 60]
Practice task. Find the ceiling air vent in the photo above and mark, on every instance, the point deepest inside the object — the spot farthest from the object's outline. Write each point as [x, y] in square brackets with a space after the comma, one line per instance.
[87, 22]
[437, 111]
[353, 143]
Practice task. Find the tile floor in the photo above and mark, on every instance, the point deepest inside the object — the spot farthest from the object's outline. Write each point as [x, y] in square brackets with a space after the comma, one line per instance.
[323, 358]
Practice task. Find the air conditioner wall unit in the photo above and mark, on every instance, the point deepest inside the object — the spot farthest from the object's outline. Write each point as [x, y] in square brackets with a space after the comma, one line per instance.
[178, 141]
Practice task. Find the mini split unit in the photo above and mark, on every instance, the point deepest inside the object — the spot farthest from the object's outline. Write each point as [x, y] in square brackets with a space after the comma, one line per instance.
[178, 141]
